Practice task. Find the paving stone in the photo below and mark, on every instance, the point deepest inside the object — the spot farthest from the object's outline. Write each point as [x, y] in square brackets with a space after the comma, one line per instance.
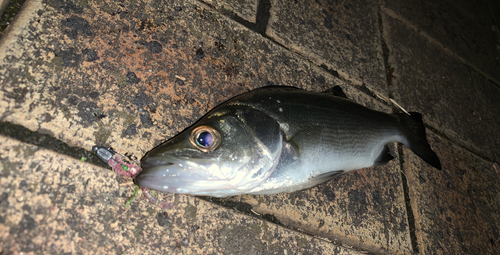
[454, 29]
[342, 35]
[246, 9]
[441, 88]
[110, 74]
[52, 204]
[489, 93]
[456, 209]
[479, 9]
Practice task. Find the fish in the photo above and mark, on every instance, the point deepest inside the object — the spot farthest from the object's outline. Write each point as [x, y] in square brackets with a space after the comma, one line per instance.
[278, 139]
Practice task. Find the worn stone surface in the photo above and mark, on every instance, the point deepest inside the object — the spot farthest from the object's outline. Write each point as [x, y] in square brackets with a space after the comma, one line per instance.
[343, 35]
[489, 93]
[441, 88]
[246, 9]
[51, 204]
[453, 27]
[110, 74]
[480, 10]
[456, 209]
[130, 75]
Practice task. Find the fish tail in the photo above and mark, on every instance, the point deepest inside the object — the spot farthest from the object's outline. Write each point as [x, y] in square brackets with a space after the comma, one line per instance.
[413, 129]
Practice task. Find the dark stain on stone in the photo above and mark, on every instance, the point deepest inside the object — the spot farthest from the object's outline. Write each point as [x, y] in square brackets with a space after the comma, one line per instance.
[69, 57]
[94, 94]
[146, 119]
[154, 47]
[73, 100]
[327, 22]
[321, 223]
[162, 219]
[330, 195]
[357, 205]
[146, 135]
[89, 55]
[199, 53]
[132, 78]
[54, 88]
[219, 46]
[18, 94]
[233, 244]
[71, 189]
[65, 6]
[179, 82]
[27, 208]
[231, 69]
[450, 185]
[26, 223]
[320, 79]
[4, 203]
[88, 111]
[141, 100]
[130, 130]
[77, 26]
[377, 198]
[22, 184]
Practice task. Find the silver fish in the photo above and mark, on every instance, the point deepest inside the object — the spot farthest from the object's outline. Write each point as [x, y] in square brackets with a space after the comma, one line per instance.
[278, 139]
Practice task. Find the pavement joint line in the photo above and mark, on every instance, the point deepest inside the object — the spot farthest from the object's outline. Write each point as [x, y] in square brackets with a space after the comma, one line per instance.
[260, 28]
[47, 141]
[246, 209]
[385, 51]
[443, 48]
[262, 16]
[410, 217]
[458, 144]
[9, 14]
[409, 209]
[363, 89]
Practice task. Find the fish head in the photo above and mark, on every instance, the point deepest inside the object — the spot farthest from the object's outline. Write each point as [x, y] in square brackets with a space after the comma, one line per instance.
[227, 152]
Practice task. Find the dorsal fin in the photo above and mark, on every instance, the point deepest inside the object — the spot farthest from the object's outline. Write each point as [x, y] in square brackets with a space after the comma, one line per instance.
[336, 91]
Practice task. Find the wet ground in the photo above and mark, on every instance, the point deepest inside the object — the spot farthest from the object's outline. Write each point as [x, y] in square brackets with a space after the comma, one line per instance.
[130, 74]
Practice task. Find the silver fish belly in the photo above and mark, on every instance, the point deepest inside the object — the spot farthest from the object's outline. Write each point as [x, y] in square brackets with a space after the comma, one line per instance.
[278, 139]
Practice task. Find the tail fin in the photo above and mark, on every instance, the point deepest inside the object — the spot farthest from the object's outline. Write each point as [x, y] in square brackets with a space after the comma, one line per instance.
[414, 132]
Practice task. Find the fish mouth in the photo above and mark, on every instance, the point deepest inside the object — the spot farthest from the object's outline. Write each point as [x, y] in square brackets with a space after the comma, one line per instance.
[178, 176]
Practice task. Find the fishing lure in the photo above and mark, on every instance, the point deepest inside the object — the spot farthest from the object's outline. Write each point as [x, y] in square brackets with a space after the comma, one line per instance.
[124, 165]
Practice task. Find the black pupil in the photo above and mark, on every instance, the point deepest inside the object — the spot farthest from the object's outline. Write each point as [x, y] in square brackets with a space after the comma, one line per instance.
[205, 139]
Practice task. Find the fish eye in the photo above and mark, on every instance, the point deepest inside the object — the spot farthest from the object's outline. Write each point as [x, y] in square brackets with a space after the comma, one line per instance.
[205, 138]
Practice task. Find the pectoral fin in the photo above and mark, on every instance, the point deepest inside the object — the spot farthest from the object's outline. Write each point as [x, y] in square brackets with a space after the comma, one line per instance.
[324, 177]
[384, 157]
[306, 139]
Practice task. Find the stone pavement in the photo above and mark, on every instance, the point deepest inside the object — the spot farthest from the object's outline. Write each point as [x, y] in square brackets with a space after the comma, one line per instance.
[130, 74]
